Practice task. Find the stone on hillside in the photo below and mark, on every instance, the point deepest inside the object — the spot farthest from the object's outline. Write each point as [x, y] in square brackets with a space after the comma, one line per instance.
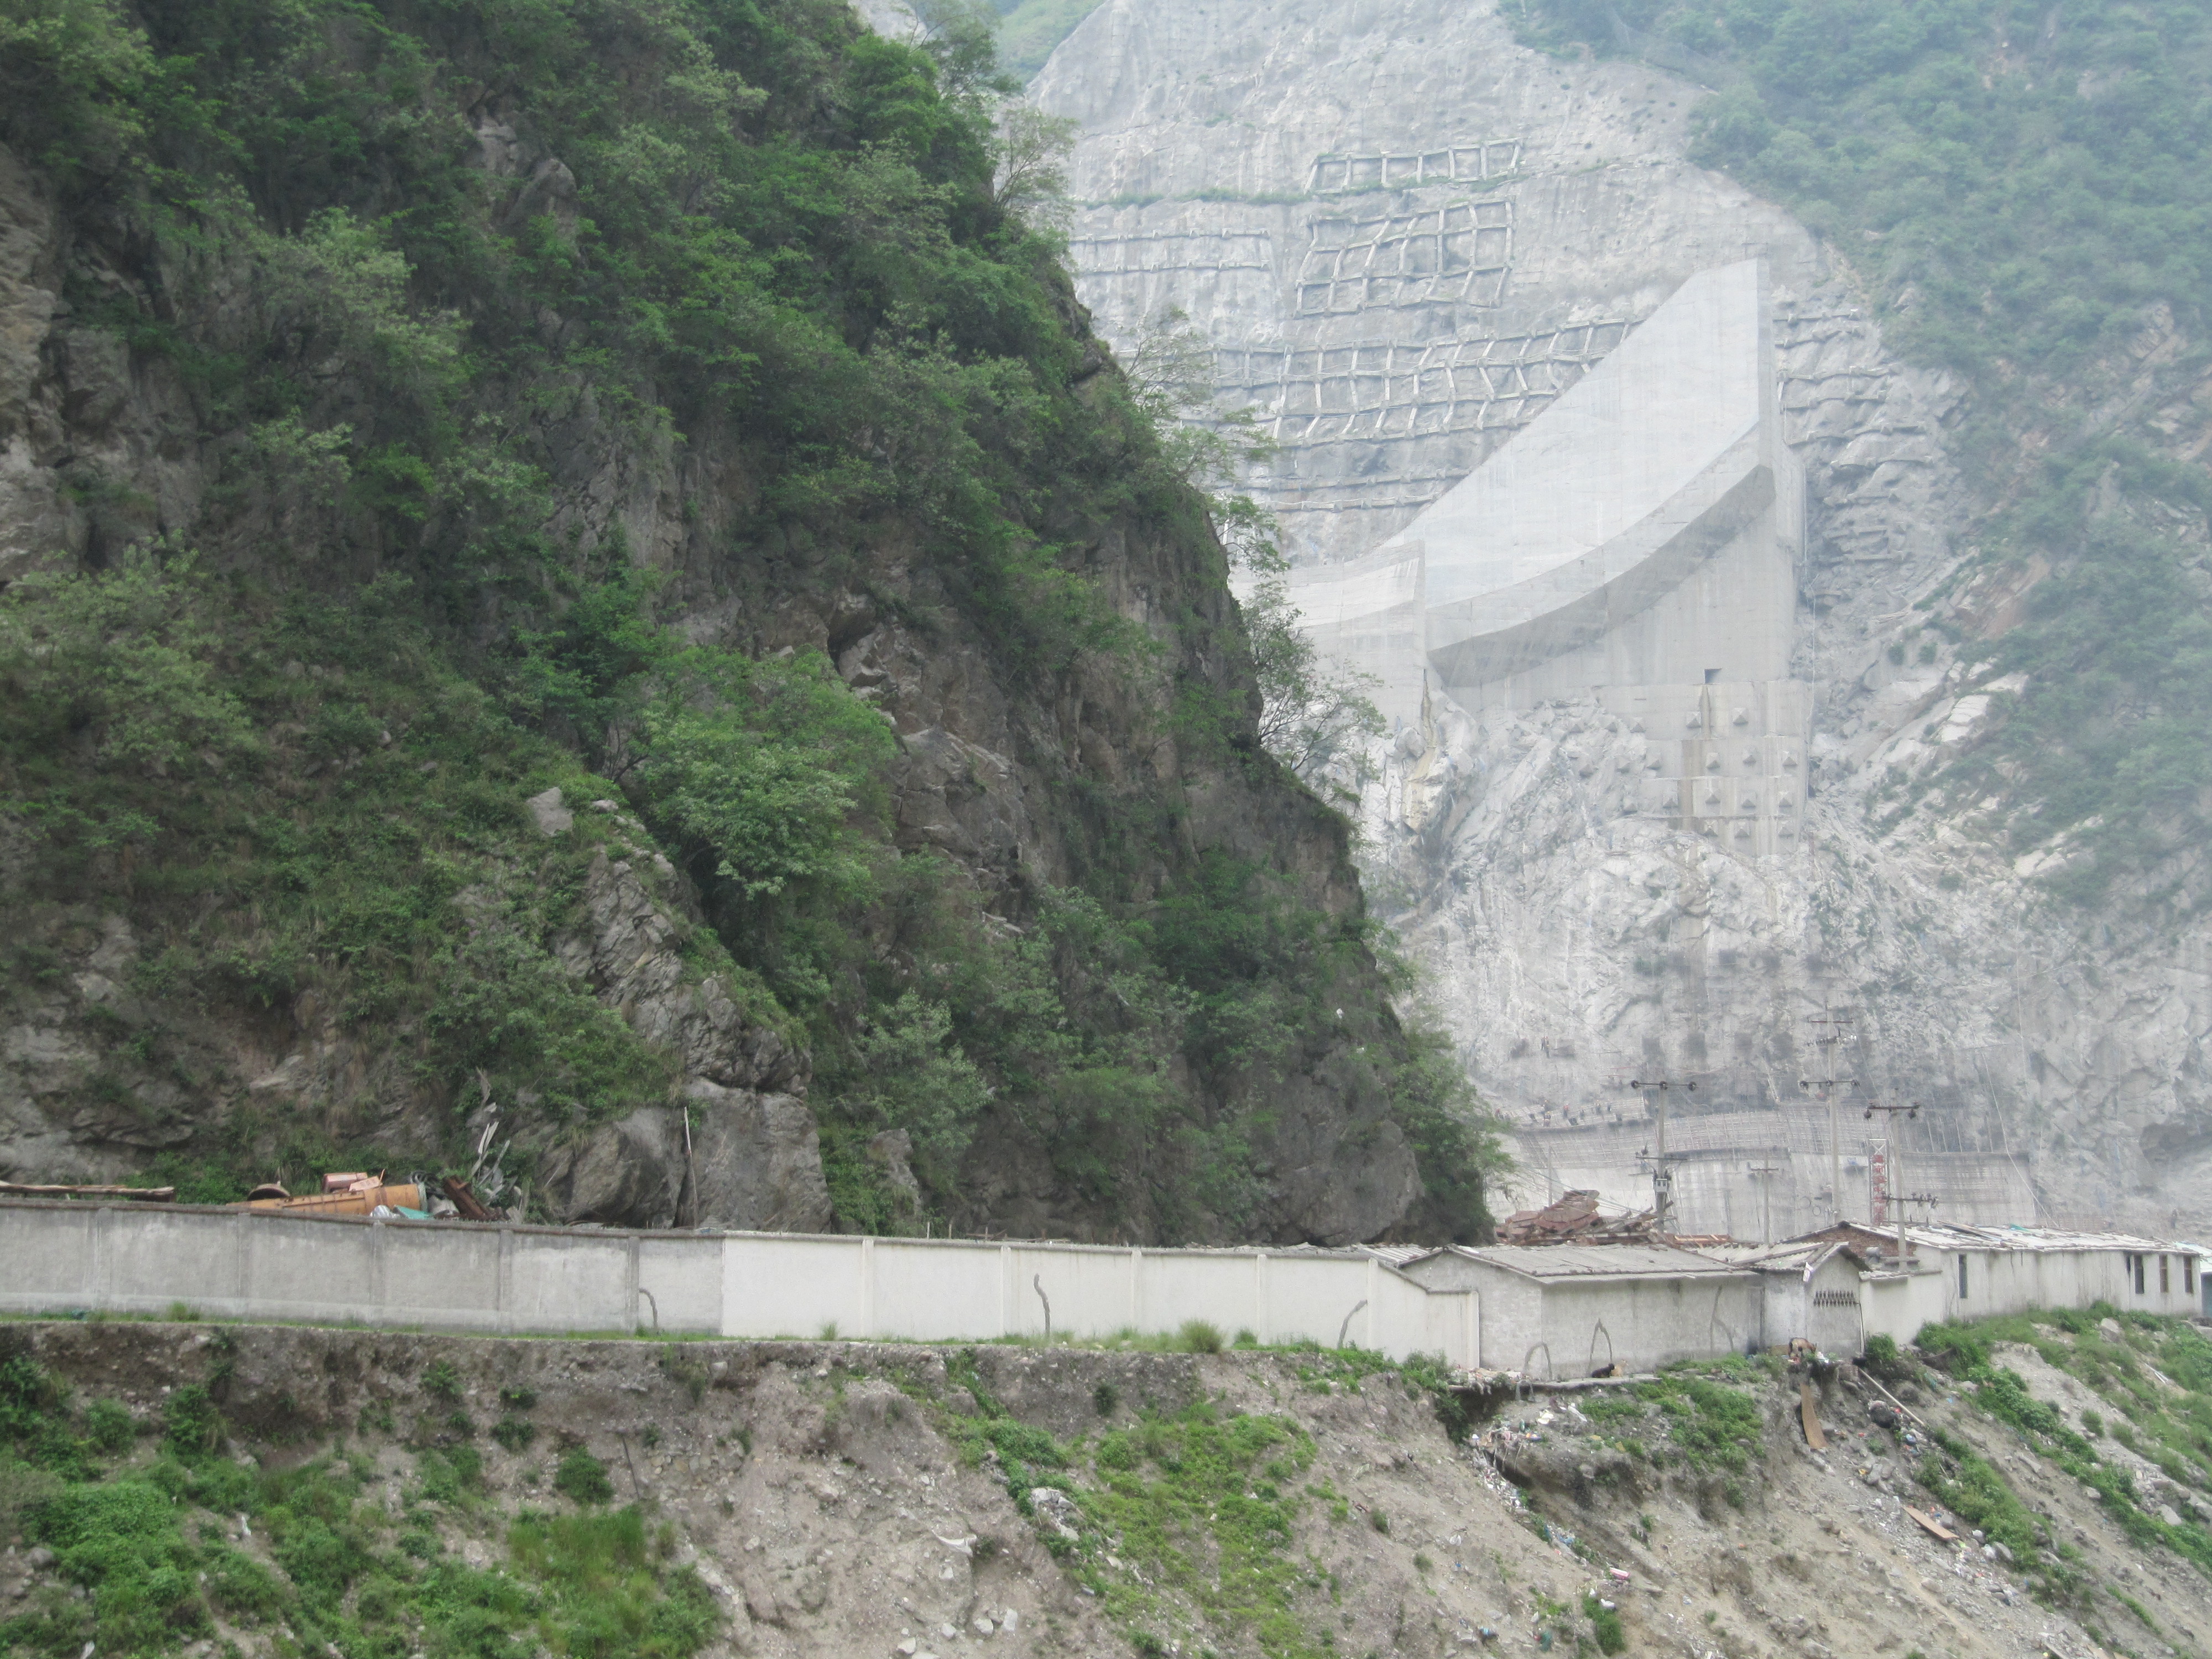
[547, 813]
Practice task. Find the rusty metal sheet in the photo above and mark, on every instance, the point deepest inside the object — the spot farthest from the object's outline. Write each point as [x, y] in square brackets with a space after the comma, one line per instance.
[1809, 1414]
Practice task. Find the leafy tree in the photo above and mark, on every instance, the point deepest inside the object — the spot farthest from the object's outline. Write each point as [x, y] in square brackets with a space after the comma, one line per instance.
[118, 665]
[1316, 717]
[760, 764]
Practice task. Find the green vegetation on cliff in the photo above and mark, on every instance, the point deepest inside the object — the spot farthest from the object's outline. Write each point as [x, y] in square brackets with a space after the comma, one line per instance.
[540, 390]
[2021, 189]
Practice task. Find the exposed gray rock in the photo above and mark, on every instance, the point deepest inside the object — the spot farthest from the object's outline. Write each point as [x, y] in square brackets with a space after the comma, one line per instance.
[1283, 172]
[754, 1163]
[630, 949]
[550, 817]
[753, 1160]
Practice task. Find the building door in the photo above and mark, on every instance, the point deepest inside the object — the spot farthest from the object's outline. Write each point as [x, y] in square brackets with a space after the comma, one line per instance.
[1837, 1330]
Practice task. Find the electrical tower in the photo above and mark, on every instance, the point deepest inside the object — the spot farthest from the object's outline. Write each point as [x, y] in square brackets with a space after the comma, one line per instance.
[1654, 1091]
[1829, 1031]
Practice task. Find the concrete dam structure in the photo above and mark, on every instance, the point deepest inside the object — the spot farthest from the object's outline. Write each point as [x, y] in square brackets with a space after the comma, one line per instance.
[1639, 541]
[1657, 709]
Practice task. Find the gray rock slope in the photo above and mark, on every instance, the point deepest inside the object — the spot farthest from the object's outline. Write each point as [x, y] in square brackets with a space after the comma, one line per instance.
[1405, 235]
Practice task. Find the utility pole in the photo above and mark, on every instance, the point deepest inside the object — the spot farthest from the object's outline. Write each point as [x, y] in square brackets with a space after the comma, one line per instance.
[1896, 1167]
[1662, 1178]
[1765, 1172]
[1824, 1088]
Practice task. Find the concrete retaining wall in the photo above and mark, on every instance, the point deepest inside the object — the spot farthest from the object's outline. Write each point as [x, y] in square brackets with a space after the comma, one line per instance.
[128, 1258]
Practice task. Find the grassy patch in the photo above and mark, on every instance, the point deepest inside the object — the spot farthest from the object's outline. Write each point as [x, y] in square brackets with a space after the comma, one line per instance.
[154, 1541]
[1206, 1507]
[2169, 1425]
[1711, 1425]
[1199, 1508]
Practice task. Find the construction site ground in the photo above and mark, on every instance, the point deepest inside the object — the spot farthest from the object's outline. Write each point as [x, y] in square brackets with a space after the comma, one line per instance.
[874, 1500]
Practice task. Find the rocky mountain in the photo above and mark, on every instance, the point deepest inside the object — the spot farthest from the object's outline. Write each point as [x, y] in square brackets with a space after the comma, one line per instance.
[1405, 233]
[579, 594]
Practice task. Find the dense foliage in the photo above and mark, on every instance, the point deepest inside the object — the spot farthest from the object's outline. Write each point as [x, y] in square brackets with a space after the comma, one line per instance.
[2022, 192]
[439, 299]
[174, 1542]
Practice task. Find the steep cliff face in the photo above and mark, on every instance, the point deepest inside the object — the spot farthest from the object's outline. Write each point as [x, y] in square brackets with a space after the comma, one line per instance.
[1405, 233]
[580, 585]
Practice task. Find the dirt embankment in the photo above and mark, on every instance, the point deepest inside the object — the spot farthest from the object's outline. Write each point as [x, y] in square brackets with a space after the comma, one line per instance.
[858, 1499]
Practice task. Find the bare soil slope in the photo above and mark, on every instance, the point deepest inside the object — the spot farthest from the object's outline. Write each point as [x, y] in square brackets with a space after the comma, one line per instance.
[847, 1498]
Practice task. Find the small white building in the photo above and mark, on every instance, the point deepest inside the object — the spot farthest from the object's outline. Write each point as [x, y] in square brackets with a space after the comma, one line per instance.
[1811, 1288]
[1572, 1309]
[1955, 1272]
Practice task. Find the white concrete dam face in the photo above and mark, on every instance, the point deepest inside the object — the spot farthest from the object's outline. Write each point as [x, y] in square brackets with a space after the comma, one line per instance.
[1619, 447]
[1664, 459]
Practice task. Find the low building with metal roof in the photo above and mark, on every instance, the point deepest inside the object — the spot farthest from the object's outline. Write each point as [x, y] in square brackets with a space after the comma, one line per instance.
[1953, 1272]
[1573, 1310]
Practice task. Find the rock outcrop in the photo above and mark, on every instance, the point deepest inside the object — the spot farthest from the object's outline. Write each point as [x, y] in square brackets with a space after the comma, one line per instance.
[1405, 235]
[1016, 581]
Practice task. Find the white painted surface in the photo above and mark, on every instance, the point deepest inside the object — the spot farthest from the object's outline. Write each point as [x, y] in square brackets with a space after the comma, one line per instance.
[456, 1276]
[1636, 432]
[2000, 1281]
[1570, 1325]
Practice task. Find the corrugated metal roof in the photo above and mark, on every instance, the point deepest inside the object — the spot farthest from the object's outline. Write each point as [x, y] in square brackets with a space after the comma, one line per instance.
[1958, 1237]
[1399, 1255]
[1803, 1256]
[1599, 1261]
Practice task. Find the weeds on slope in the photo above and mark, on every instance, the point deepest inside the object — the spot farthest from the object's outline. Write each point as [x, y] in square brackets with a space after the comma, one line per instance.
[2156, 1372]
[1712, 1426]
[1199, 1508]
[167, 1542]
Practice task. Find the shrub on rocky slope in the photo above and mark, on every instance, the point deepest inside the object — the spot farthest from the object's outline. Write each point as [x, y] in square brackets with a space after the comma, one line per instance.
[420, 411]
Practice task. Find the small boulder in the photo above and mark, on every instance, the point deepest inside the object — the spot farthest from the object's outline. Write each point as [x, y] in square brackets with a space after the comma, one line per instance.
[1056, 1509]
[547, 813]
[2168, 1514]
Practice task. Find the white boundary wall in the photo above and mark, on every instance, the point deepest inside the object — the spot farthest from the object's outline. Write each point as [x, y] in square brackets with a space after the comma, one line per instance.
[128, 1258]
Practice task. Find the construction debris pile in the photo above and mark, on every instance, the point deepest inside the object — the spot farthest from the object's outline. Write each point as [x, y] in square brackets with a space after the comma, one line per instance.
[1575, 1218]
[350, 1191]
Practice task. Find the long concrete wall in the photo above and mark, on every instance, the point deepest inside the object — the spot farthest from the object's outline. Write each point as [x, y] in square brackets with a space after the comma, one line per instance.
[127, 1258]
